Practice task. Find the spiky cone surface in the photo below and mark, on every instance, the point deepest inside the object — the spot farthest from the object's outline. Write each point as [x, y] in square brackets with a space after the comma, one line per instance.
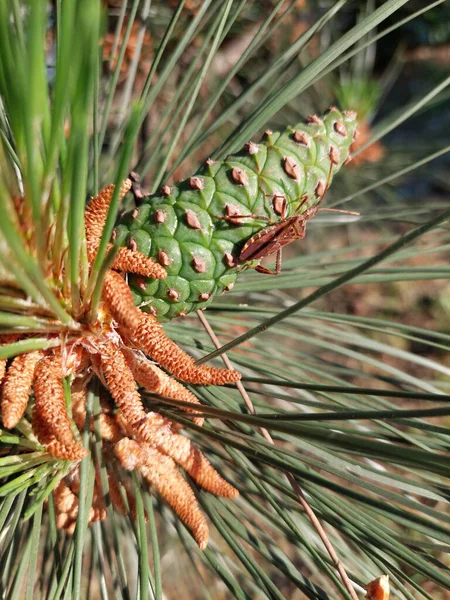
[189, 228]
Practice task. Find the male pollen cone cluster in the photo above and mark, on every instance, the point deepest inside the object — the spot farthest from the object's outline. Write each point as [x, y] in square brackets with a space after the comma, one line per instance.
[119, 346]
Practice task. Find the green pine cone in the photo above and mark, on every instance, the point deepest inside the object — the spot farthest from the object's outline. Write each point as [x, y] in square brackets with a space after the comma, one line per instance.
[287, 173]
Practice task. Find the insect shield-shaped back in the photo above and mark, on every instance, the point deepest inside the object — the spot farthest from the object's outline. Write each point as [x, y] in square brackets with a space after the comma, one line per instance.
[274, 237]
[205, 228]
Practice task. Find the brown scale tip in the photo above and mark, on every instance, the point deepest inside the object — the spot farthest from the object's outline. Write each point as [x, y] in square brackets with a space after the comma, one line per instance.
[334, 155]
[291, 168]
[350, 114]
[135, 213]
[314, 120]
[231, 210]
[204, 297]
[300, 137]
[181, 314]
[164, 259]
[230, 260]
[340, 128]
[229, 287]
[209, 162]
[268, 132]
[173, 294]
[141, 283]
[196, 183]
[279, 204]
[152, 310]
[192, 220]
[160, 216]
[132, 244]
[251, 148]
[199, 264]
[320, 188]
[165, 190]
[239, 176]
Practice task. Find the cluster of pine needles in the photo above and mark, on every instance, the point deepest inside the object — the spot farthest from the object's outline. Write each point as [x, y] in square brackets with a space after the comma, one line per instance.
[323, 475]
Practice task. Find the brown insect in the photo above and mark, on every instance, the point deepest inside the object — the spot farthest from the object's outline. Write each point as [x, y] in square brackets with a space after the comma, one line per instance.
[275, 236]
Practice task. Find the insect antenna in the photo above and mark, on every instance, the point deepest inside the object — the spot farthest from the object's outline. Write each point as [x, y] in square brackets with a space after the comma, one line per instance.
[231, 218]
[339, 210]
[316, 208]
[312, 211]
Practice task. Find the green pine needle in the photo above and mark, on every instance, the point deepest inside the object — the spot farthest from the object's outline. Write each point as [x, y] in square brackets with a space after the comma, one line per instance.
[355, 400]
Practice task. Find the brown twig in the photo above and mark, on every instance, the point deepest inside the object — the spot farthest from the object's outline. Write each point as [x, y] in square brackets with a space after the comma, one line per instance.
[295, 486]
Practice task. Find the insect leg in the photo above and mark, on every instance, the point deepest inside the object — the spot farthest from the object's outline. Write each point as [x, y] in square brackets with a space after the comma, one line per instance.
[278, 261]
[265, 271]
[232, 218]
[303, 198]
[338, 210]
